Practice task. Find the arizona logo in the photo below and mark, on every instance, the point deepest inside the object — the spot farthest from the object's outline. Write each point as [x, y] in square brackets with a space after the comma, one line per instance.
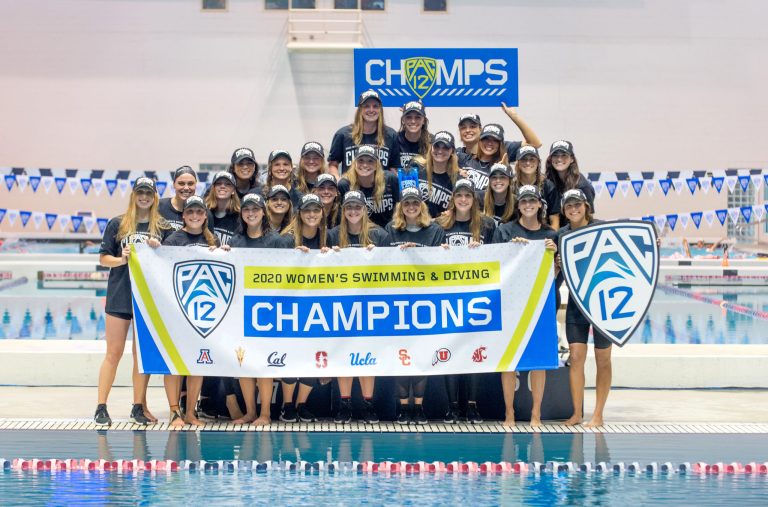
[204, 292]
[611, 269]
[420, 74]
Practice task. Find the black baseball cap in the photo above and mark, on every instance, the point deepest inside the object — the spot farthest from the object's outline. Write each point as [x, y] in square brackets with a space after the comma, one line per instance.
[312, 147]
[253, 199]
[241, 154]
[368, 94]
[474, 118]
[526, 150]
[414, 106]
[528, 191]
[145, 183]
[278, 189]
[493, 130]
[194, 201]
[185, 169]
[444, 137]
[354, 197]
[463, 183]
[325, 179]
[365, 150]
[561, 145]
[573, 194]
[500, 168]
[279, 153]
[225, 175]
[410, 193]
[308, 200]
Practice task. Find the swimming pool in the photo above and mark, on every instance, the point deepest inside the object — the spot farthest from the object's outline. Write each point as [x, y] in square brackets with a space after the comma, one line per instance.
[291, 488]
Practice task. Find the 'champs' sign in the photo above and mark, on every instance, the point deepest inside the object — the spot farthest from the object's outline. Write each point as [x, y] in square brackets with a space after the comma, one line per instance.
[439, 77]
[349, 313]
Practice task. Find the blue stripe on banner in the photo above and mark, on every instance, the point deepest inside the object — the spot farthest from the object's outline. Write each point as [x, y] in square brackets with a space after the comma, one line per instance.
[371, 315]
[151, 359]
[541, 352]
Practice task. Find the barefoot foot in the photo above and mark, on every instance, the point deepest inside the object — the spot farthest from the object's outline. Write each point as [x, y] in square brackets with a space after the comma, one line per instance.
[535, 422]
[509, 422]
[263, 420]
[594, 422]
[149, 415]
[575, 420]
[193, 421]
[246, 419]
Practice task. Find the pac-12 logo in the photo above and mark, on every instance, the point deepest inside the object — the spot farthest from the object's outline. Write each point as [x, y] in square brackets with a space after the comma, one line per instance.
[420, 74]
[611, 269]
[204, 292]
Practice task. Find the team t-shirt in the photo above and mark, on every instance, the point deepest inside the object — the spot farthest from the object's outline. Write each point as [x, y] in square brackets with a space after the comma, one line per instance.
[343, 148]
[582, 184]
[288, 241]
[376, 235]
[225, 226]
[268, 240]
[174, 217]
[184, 238]
[511, 230]
[407, 149]
[461, 235]
[379, 213]
[432, 235]
[438, 198]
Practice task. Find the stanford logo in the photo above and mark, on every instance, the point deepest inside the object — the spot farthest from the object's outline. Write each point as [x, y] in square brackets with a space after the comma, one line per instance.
[441, 356]
[321, 359]
[478, 356]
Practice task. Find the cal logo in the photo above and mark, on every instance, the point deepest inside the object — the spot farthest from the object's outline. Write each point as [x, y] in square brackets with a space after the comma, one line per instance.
[420, 74]
[204, 292]
[611, 269]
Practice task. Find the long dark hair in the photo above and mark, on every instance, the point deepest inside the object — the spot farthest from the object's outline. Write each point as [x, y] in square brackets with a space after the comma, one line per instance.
[265, 227]
[571, 175]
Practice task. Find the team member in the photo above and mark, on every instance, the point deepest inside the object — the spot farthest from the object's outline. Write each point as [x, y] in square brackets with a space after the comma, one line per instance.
[194, 233]
[528, 172]
[280, 172]
[224, 204]
[368, 128]
[381, 188]
[279, 208]
[464, 226]
[254, 232]
[328, 193]
[578, 214]
[412, 226]
[529, 223]
[498, 202]
[490, 150]
[184, 186]
[141, 223]
[469, 130]
[307, 232]
[356, 231]
[243, 168]
[562, 169]
[414, 138]
[311, 165]
[438, 173]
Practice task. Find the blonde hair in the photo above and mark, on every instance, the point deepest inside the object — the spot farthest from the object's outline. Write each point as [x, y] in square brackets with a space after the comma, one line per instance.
[379, 183]
[489, 204]
[128, 222]
[365, 230]
[233, 206]
[357, 127]
[291, 180]
[448, 220]
[297, 226]
[301, 179]
[429, 166]
[399, 222]
[210, 238]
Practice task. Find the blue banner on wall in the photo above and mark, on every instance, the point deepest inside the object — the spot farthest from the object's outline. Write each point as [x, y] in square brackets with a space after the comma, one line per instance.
[439, 77]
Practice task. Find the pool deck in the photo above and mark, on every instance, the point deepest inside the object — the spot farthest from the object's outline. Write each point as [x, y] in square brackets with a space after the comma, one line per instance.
[628, 411]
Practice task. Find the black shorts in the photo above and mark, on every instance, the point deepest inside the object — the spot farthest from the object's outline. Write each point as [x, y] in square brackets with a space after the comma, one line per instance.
[121, 315]
[579, 333]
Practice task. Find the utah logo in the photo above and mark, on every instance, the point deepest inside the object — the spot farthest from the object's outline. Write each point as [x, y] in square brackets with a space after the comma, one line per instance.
[420, 74]
[611, 269]
[204, 292]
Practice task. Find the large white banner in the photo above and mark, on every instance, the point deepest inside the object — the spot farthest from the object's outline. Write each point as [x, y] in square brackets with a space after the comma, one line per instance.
[285, 313]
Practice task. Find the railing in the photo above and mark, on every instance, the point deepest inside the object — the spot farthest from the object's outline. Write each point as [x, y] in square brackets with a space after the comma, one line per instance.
[324, 29]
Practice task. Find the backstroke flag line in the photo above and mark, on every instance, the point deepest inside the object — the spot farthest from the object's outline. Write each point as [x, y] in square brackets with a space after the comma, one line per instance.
[285, 313]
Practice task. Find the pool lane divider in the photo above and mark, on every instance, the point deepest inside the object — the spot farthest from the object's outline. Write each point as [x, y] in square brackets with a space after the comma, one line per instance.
[381, 468]
[725, 305]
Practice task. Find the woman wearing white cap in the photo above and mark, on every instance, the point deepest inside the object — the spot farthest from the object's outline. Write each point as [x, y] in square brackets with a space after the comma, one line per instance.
[311, 165]
[280, 172]
[578, 213]
[279, 208]
[414, 138]
[562, 170]
[254, 232]
[412, 226]
[328, 192]
[438, 172]
[356, 231]
[141, 223]
[224, 204]
[368, 128]
[194, 233]
[381, 188]
[464, 226]
[528, 172]
[498, 201]
[529, 223]
[243, 167]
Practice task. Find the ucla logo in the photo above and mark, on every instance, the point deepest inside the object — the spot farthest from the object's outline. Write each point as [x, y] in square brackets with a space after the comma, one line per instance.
[204, 292]
[420, 74]
[611, 270]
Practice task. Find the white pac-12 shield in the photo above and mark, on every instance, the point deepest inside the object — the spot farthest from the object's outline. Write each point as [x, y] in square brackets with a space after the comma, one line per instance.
[204, 291]
[611, 269]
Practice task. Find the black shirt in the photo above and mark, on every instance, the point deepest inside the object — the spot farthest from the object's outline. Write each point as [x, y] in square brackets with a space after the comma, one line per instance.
[432, 235]
[119, 283]
[460, 234]
[225, 227]
[498, 209]
[343, 148]
[510, 230]
[573, 314]
[376, 235]
[288, 241]
[582, 184]
[184, 238]
[439, 197]
[268, 240]
[407, 149]
[381, 213]
[174, 217]
[477, 170]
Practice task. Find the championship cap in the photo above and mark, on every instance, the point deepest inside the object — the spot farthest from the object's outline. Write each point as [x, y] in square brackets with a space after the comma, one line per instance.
[279, 153]
[312, 147]
[463, 183]
[253, 199]
[308, 200]
[414, 106]
[493, 130]
[561, 145]
[241, 154]
[526, 150]
[410, 193]
[365, 150]
[527, 191]
[474, 118]
[325, 179]
[278, 189]
[573, 194]
[444, 137]
[368, 94]
[500, 169]
[144, 183]
[185, 169]
[194, 201]
[354, 197]
[223, 175]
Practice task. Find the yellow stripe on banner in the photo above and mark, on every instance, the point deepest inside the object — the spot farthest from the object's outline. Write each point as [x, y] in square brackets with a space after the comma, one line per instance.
[530, 307]
[154, 315]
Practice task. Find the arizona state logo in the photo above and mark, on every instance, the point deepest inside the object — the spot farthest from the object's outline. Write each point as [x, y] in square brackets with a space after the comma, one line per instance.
[420, 74]
[204, 292]
[611, 269]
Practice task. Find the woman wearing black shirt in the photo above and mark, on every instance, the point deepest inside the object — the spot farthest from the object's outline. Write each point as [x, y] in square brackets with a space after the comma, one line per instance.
[414, 138]
[381, 188]
[280, 172]
[528, 172]
[562, 169]
[498, 202]
[489, 151]
[438, 173]
[244, 168]
[328, 192]
[224, 204]
[141, 223]
[279, 208]
[311, 165]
